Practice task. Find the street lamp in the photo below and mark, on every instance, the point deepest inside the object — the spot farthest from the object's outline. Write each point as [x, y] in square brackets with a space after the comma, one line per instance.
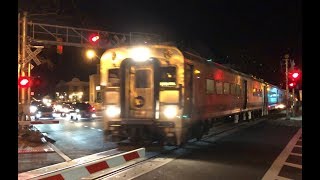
[91, 54]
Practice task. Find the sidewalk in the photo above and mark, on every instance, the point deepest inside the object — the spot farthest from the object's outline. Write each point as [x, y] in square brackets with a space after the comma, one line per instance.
[32, 141]
[295, 120]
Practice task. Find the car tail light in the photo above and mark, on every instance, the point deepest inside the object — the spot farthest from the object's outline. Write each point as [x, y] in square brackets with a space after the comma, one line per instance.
[92, 109]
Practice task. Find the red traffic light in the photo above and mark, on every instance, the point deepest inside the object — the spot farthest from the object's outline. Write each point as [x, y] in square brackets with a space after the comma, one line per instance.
[295, 75]
[24, 82]
[94, 38]
[292, 84]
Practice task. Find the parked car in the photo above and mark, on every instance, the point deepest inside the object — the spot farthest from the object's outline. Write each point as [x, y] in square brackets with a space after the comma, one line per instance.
[82, 111]
[44, 112]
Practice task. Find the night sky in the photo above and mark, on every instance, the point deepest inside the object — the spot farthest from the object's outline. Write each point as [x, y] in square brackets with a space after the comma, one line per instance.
[252, 35]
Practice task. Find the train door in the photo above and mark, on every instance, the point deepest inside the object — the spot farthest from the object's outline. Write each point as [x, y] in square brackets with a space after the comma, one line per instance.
[245, 93]
[265, 100]
[138, 90]
[188, 93]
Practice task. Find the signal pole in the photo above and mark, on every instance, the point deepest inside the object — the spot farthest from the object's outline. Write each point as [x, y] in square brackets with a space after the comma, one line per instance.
[292, 64]
[286, 58]
[19, 55]
[24, 98]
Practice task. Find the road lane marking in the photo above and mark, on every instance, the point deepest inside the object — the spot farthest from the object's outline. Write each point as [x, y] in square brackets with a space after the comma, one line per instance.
[282, 178]
[275, 168]
[296, 154]
[293, 165]
[65, 157]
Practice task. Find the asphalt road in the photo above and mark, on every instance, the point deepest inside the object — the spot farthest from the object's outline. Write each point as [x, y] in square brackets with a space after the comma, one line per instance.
[246, 154]
[73, 139]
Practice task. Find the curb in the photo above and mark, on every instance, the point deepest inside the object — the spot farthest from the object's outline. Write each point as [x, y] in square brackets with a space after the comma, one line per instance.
[39, 149]
[85, 169]
[38, 122]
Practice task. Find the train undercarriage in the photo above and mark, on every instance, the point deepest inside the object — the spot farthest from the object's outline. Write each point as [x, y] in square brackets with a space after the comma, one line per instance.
[166, 133]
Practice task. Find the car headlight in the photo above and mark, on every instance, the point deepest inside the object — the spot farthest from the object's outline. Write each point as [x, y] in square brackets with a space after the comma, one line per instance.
[38, 114]
[280, 106]
[33, 109]
[170, 111]
[77, 110]
[113, 111]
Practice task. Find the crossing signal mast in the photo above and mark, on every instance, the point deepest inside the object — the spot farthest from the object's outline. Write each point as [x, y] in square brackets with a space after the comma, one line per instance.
[33, 35]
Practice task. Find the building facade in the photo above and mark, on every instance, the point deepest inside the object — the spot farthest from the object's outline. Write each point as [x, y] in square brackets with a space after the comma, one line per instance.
[72, 91]
[95, 91]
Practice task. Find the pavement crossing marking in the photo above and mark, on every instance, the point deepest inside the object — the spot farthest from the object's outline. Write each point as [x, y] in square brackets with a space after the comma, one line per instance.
[275, 168]
[296, 154]
[65, 157]
[293, 165]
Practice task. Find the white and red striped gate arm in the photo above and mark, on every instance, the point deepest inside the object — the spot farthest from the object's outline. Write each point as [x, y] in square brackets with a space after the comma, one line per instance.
[88, 169]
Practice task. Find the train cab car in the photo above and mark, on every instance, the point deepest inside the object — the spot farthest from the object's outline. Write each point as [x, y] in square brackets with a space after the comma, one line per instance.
[173, 95]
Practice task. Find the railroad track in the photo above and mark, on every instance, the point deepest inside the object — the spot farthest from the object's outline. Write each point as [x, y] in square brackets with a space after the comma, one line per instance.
[119, 164]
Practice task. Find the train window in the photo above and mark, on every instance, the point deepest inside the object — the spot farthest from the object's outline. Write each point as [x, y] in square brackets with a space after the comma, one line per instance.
[210, 86]
[226, 88]
[233, 89]
[219, 87]
[168, 76]
[114, 78]
[143, 79]
[238, 90]
[257, 92]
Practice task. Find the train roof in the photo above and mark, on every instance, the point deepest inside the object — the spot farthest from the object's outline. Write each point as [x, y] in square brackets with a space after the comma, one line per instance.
[185, 54]
[190, 55]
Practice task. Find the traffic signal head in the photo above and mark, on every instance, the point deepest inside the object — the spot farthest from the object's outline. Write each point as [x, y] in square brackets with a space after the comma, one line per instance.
[295, 75]
[24, 82]
[94, 38]
[36, 82]
[292, 84]
[59, 47]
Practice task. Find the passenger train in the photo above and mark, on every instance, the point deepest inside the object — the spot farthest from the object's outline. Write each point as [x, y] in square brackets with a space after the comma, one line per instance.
[173, 95]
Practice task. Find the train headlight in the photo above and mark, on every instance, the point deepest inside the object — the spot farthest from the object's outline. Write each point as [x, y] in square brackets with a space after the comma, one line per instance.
[170, 111]
[140, 54]
[113, 111]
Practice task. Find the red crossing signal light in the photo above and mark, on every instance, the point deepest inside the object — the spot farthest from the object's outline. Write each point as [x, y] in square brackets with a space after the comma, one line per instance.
[295, 75]
[94, 38]
[24, 82]
[292, 84]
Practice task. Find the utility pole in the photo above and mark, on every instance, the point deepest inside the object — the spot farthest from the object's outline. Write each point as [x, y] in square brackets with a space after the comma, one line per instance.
[286, 58]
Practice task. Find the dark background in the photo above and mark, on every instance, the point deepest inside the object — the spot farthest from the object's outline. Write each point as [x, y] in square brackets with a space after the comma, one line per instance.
[252, 36]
